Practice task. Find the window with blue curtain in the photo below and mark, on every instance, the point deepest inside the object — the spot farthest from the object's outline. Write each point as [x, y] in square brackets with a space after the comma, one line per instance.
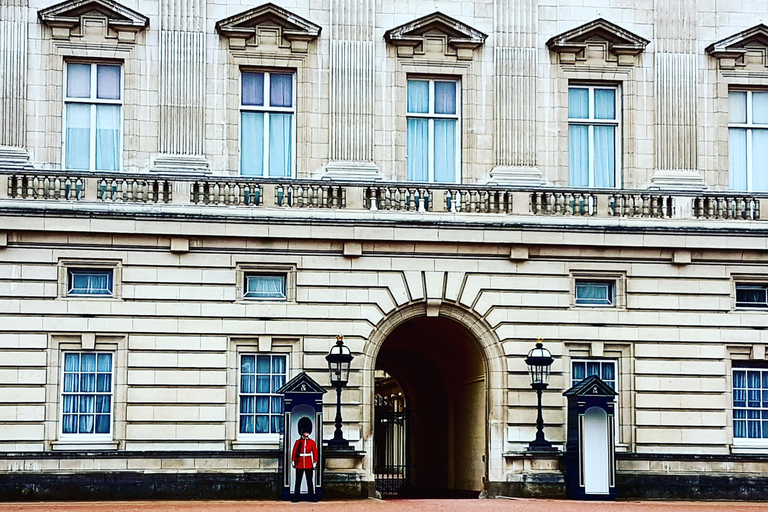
[595, 293]
[261, 408]
[748, 140]
[593, 130]
[265, 286]
[433, 131]
[84, 281]
[267, 124]
[751, 295]
[92, 116]
[750, 403]
[86, 393]
[605, 369]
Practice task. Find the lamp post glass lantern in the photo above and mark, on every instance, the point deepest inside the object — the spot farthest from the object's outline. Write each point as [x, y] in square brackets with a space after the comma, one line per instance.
[339, 359]
[539, 362]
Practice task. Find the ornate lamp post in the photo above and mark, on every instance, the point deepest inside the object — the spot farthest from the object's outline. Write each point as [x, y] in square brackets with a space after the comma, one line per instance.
[539, 361]
[339, 360]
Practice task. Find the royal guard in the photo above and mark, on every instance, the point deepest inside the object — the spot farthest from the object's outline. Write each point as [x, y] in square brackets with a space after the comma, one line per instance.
[304, 459]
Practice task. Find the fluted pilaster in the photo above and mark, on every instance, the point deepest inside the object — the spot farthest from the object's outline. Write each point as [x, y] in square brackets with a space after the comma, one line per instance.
[13, 82]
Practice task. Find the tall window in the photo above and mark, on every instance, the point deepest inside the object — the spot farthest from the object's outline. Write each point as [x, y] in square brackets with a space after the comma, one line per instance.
[86, 394]
[593, 136]
[434, 137]
[750, 403]
[748, 140]
[267, 124]
[261, 408]
[92, 116]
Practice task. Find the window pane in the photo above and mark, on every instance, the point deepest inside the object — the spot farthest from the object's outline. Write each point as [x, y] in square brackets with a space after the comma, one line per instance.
[71, 383]
[104, 383]
[90, 282]
[593, 368]
[445, 150]
[107, 137]
[418, 96]
[71, 362]
[102, 423]
[86, 424]
[246, 424]
[737, 106]
[277, 405]
[751, 295]
[760, 160]
[103, 403]
[605, 156]
[78, 80]
[247, 404]
[87, 383]
[108, 82]
[78, 144]
[280, 145]
[760, 107]
[104, 363]
[578, 103]
[262, 424]
[737, 158]
[265, 287]
[417, 150]
[609, 372]
[277, 382]
[278, 364]
[281, 90]
[247, 384]
[605, 104]
[262, 364]
[579, 371]
[248, 364]
[277, 424]
[252, 144]
[593, 293]
[262, 384]
[88, 363]
[578, 155]
[69, 424]
[253, 89]
[445, 97]
[262, 404]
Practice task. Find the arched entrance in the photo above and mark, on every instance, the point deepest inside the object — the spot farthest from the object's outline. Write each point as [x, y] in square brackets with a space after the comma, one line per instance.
[435, 366]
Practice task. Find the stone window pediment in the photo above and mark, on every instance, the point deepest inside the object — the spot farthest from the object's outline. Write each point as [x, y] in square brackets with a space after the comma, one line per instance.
[746, 50]
[435, 32]
[598, 40]
[93, 19]
[268, 25]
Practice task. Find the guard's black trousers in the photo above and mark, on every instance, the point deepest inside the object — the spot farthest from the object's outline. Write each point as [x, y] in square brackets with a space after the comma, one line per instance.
[310, 482]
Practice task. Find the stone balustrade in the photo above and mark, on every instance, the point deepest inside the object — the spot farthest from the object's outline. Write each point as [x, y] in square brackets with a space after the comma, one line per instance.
[400, 197]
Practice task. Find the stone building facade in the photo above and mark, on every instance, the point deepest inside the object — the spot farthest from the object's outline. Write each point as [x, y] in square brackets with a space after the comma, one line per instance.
[195, 196]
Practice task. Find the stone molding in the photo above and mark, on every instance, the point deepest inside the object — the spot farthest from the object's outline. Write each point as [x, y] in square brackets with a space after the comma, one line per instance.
[69, 18]
[412, 37]
[731, 52]
[268, 21]
[621, 45]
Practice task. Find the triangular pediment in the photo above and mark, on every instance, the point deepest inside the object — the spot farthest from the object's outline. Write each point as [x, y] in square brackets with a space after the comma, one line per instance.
[302, 383]
[734, 51]
[592, 386]
[70, 14]
[459, 36]
[287, 26]
[618, 42]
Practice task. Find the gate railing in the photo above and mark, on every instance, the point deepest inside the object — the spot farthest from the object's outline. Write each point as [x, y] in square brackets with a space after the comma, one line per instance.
[391, 457]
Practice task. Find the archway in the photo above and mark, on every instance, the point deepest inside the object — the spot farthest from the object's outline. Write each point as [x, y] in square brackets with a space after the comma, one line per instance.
[438, 364]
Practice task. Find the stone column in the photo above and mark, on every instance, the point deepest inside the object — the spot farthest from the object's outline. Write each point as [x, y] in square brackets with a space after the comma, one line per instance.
[352, 90]
[182, 86]
[676, 94]
[13, 83]
[515, 64]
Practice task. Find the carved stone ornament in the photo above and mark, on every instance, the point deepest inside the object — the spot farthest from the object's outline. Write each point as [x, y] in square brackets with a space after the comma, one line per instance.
[104, 17]
[432, 31]
[602, 37]
[748, 48]
[268, 25]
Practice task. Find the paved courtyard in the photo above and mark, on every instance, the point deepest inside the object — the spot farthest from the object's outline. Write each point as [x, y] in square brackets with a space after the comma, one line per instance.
[491, 505]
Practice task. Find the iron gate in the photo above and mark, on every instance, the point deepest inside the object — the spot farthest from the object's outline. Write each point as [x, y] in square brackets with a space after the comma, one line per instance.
[392, 454]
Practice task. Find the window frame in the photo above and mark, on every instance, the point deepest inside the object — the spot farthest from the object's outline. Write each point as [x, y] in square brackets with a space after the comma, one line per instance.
[591, 122]
[66, 265]
[747, 306]
[611, 292]
[245, 269]
[95, 437]
[93, 101]
[746, 366]
[257, 437]
[749, 126]
[431, 116]
[71, 271]
[267, 109]
[247, 275]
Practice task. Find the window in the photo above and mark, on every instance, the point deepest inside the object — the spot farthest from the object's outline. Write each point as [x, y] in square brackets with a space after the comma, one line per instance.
[86, 395]
[433, 139]
[261, 408]
[604, 369]
[593, 136]
[751, 296]
[92, 116]
[750, 403]
[265, 286]
[748, 140]
[267, 124]
[595, 293]
[82, 281]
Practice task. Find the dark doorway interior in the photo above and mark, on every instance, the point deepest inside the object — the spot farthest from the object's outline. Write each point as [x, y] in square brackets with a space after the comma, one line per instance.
[435, 368]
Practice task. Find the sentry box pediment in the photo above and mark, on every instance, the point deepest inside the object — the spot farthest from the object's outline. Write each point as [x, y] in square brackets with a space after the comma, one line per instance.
[418, 36]
[268, 25]
[598, 40]
[78, 17]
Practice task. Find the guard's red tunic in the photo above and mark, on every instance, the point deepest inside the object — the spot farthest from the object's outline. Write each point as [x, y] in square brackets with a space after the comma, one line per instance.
[304, 453]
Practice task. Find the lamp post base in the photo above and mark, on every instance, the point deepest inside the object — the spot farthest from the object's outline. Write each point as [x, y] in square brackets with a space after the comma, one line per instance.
[338, 444]
[541, 446]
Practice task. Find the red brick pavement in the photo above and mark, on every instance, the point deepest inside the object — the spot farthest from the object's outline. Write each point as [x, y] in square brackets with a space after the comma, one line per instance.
[490, 505]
